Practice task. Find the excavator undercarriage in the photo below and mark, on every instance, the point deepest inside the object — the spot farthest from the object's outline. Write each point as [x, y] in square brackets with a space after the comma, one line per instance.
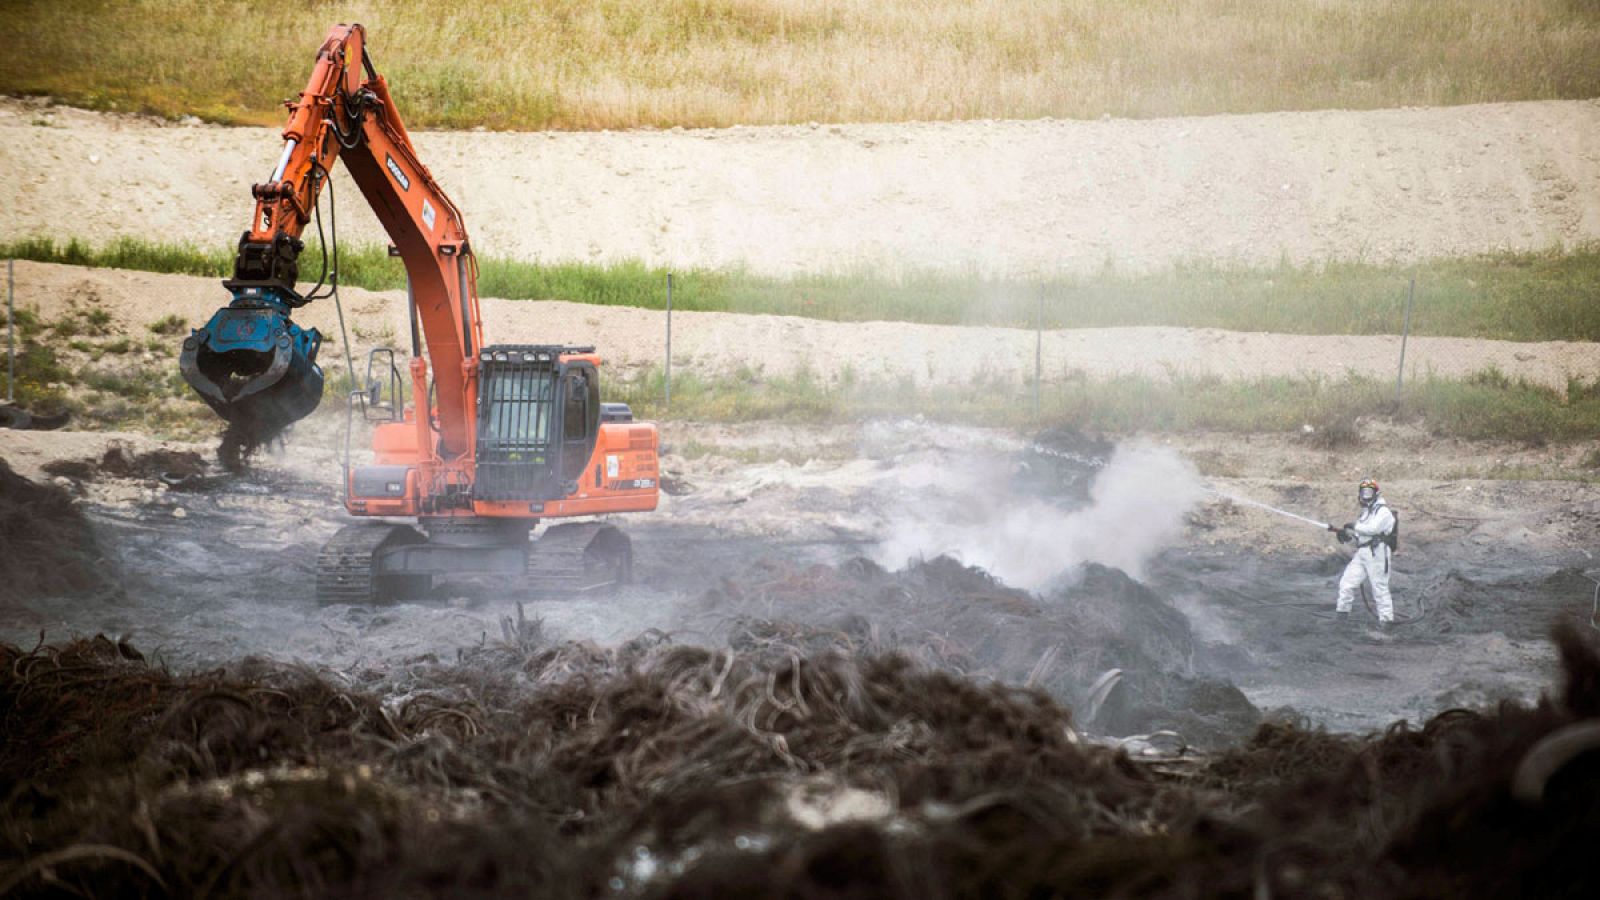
[375, 562]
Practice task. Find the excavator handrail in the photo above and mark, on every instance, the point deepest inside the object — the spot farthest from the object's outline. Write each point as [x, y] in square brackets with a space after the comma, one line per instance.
[396, 392]
[349, 428]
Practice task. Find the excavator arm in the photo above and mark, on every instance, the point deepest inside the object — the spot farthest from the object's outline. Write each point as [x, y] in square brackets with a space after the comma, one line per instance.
[251, 363]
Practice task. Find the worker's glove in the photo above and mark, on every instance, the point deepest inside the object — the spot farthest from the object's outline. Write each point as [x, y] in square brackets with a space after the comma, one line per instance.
[1347, 534]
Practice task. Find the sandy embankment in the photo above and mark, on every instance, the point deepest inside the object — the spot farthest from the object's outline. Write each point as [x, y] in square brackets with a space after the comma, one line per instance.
[999, 197]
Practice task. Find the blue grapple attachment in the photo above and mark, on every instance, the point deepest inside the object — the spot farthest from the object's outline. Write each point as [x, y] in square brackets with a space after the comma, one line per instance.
[250, 363]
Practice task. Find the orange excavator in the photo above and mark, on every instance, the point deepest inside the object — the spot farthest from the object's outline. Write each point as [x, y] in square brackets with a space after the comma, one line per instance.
[496, 438]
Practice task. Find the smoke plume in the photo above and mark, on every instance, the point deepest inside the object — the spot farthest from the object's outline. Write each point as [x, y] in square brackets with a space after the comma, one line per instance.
[966, 509]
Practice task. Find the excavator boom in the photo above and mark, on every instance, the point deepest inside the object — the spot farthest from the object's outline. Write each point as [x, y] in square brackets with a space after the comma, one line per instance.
[251, 363]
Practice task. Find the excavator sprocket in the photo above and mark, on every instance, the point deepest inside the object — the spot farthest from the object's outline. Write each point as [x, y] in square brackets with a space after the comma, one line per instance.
[580, 558]
[347, 567]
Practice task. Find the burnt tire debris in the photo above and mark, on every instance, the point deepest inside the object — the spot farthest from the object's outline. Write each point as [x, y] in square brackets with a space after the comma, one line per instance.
[528, 768]
[175, 468]
[18, 419]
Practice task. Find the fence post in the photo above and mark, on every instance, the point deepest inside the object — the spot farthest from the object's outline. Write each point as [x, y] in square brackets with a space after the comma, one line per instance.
[668, 401]
[11, 333]
[1400, 379]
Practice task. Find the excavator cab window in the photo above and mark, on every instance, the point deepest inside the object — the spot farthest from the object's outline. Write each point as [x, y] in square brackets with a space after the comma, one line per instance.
[518, 412]
[575, 414]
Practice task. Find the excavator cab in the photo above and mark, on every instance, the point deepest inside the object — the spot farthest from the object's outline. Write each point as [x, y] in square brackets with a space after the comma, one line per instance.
[538, 418]
[545, 447]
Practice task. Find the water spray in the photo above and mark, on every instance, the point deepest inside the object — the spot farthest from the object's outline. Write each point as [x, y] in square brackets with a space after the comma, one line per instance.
[1259, 505]
[1096, 462]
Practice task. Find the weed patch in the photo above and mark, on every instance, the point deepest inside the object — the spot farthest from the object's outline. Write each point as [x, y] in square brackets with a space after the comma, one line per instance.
[169, 326]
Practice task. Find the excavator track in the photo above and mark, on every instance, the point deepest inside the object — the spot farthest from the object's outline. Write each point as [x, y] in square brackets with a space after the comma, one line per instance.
[347, 566]
[580, 558]
[567, 560]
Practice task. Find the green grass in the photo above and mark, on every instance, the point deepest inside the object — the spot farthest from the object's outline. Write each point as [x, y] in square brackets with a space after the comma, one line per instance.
[39, 377]
[1512, 296]
[123, 253]
[94, 377]
[169, 326]
[1486, 407]
[39, 369]
[1519, 296]
[590, 64]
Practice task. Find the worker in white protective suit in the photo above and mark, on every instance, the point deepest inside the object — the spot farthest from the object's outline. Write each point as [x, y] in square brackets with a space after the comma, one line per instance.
[1372, 533]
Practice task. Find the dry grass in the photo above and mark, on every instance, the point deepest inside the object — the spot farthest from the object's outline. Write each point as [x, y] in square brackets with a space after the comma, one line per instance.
[584, 64]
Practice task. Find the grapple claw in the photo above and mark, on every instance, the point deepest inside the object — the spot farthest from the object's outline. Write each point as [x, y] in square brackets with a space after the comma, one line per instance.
[254, 367]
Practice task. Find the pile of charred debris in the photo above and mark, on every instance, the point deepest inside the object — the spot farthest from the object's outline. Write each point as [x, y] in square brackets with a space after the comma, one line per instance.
[1099, 642]
[787, 765]
[49, 546]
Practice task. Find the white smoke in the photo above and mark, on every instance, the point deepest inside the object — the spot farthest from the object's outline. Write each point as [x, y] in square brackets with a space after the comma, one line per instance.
[966, 508]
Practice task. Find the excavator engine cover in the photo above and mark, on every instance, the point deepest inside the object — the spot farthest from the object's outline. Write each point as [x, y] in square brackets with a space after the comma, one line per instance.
[253, 365]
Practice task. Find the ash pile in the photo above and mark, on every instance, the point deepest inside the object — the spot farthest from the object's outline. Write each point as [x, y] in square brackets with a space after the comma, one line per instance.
[1098, 642]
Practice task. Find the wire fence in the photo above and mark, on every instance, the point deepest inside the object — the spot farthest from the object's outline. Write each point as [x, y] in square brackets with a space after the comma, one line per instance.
[1036, 382]
[11, 332]
[1040, 385]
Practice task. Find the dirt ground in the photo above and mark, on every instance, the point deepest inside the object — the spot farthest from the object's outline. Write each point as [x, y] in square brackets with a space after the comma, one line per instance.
[712, 344]
[1502, 559]
[217, 568]
[997, 197]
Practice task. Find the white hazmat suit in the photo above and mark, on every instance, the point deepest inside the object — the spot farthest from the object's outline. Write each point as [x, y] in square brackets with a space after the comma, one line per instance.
[1371, 561]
